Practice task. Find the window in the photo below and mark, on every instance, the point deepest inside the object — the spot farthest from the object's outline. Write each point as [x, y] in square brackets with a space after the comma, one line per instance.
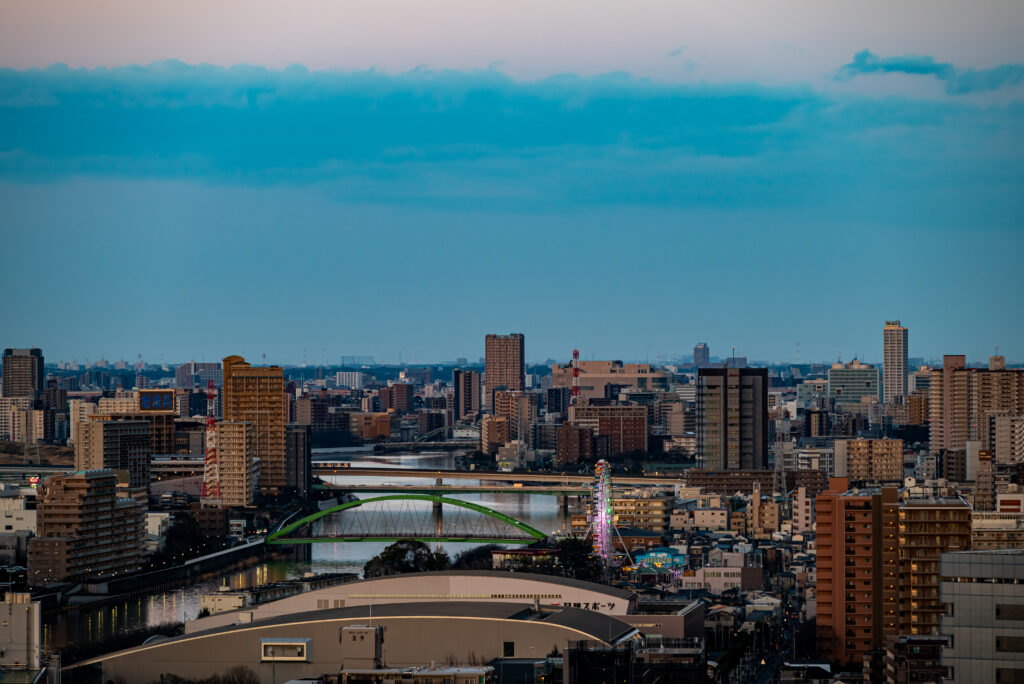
[284, 650]
[1010, 644]
[1010, 611]
[509, 650]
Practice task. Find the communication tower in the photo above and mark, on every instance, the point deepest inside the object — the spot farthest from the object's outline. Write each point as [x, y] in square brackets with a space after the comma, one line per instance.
[211, 475]
[574, 392]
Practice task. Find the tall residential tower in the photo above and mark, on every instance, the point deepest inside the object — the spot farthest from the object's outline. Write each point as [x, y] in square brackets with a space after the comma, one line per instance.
[894, 369]
[504, 364]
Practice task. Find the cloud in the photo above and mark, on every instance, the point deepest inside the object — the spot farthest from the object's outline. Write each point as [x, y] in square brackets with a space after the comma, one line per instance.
[958, 82]
[482, 139]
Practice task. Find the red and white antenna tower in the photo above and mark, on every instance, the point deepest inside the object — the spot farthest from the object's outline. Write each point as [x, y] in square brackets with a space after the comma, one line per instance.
[211, 475]
[574, 392]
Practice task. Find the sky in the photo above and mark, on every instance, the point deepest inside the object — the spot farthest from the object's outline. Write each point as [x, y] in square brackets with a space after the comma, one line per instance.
[397, 179]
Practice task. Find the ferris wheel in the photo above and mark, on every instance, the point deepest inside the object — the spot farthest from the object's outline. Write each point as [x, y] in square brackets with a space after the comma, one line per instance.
[602, 518]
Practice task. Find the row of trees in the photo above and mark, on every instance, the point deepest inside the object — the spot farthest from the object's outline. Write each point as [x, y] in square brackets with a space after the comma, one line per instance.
[575, 559]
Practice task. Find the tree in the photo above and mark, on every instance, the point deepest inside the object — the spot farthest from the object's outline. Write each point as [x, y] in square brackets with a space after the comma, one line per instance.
[477, 558]
[577, 559]
[406, 555]
[239, 674]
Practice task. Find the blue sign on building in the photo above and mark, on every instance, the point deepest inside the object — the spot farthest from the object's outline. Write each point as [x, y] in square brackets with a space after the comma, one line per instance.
[156, 400]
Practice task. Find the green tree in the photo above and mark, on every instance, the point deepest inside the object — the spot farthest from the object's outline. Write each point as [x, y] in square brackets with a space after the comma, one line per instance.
[576, 557]
[406, 555]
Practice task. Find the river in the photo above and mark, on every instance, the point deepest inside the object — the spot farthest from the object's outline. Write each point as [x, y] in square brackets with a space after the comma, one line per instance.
[87, 624]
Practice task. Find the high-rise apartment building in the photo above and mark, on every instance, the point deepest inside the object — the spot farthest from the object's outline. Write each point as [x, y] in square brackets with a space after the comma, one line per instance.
[964, 401]
[1007, 439]
[299, 458]
[236, 461]
[852, 383]
[397, 397]
[878, 565]
[869, 460]
[105, 444]
[574, 445]
[84, 529]
[22, 372]
[467, 395]
[504, 364]
[605, 379]
[9, 406]
[894, 362]
[732, 418]
[625, 427]
[256, 395]
[520, 409]
[857, 568]
[493, 433]
[702, 355]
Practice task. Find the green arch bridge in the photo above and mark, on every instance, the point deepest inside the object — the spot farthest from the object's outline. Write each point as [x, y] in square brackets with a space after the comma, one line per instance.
[400, 519]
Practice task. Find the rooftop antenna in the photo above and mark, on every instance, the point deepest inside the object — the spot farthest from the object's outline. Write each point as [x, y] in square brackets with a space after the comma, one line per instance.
[798, 352]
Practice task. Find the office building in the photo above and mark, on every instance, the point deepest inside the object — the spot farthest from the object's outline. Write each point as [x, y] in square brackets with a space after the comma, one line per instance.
[22, 372]
[869, 460]
[813, 395]
[504, 364]
[894, 362]
[85, 529]
[702, 355]
[520, 409]
[236, 461]
[256, 395]
[963, 402]
[984, 624]
[350, 379]
[732, 418]
[606, 379]
[853, 383]
[625, 427]
[878, 565]
[299, 458]
[124, 445]
[467, 395]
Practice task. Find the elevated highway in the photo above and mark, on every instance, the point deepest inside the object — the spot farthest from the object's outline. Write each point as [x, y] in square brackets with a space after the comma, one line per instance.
[323, 468]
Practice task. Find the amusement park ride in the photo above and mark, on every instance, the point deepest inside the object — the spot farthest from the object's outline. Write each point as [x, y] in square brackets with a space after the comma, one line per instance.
[602, 517]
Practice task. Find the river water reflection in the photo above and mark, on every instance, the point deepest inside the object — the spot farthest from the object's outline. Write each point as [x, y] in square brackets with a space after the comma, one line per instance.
[87, 624]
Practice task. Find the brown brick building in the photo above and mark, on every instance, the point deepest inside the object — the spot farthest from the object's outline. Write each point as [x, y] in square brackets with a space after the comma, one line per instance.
[574, 445]
[257, 395]
[878, 565]
[84, 529]
[624, 426]
[504, 364]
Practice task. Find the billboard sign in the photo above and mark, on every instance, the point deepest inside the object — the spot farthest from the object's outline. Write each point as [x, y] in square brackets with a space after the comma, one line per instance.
[156, 400]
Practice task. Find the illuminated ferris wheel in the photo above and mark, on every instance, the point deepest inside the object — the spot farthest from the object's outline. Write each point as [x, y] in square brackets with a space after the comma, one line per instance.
[602, 519]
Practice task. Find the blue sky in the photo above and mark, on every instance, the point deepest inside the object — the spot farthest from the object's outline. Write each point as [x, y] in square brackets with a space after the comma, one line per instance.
[222, 196]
